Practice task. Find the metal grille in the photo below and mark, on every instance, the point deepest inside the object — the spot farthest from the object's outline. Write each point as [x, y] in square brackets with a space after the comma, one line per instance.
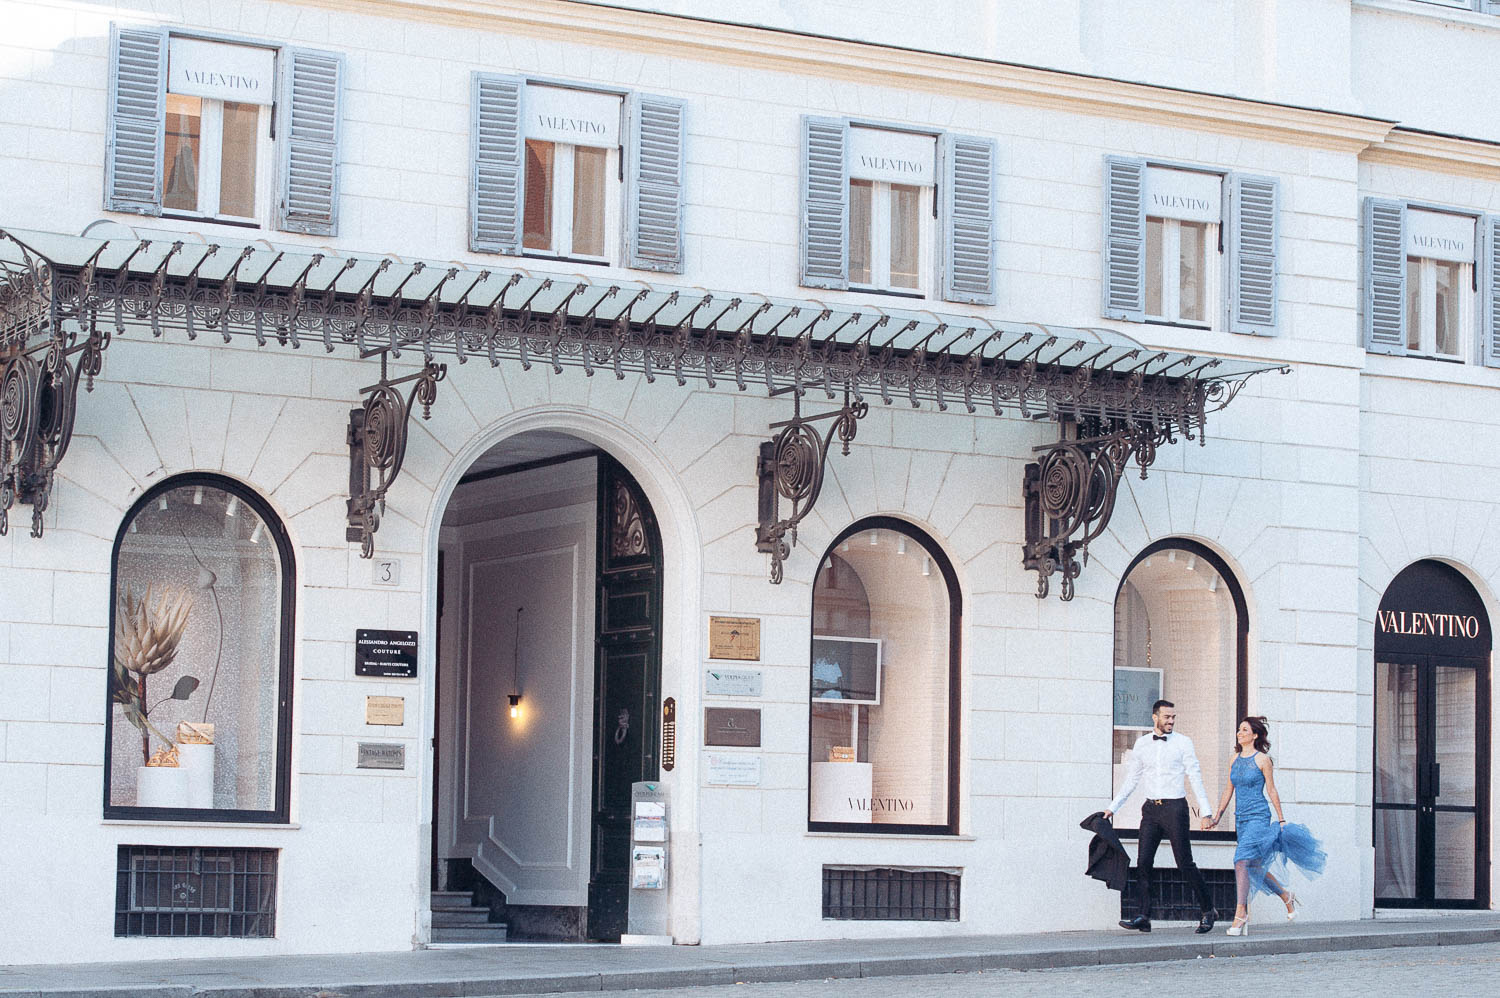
[192, 891]
[1174, 899]
[888, 894]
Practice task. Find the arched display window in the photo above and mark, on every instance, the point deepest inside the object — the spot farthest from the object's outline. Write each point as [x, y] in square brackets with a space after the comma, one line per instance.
[1181, 634]
[199, 710]
[884, 684]
[1432, 737]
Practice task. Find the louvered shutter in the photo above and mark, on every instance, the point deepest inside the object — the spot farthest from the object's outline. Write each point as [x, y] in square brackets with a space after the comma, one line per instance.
[1251, 245]
[496, 149]
[825, 202]
[1384, 263]
[1489, 260]
[137, 114]
[1124, 238]
[967, 188]
[653, 221]
[311, 106]
[1491, 6]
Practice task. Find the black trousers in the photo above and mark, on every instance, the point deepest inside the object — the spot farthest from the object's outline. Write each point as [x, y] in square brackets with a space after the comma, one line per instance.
[1167, 818]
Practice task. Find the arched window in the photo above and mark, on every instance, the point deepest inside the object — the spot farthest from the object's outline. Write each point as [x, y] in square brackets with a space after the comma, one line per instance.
[199, 713]
[1181, 635]
[883, 740]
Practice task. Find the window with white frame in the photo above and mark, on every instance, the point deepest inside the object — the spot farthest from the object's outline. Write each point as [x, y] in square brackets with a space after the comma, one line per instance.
[1186, 246]
[571, 204]
[1182, 245]
[1440, 294]
[216, 140]
[891, 179]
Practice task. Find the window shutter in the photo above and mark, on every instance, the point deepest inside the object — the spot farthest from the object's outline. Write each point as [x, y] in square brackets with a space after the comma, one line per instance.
[825, 203]
[653, 222]
[1491, 6]
[968, 192]
[1251, 243]
[495, 178]
[1489, 258]
[1124, 238]
[1384, 276]
[309, 137]
[137, 114]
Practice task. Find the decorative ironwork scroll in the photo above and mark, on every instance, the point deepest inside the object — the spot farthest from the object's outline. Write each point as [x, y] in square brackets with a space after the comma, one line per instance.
[627, 529]
[377, 446]
[791, 467]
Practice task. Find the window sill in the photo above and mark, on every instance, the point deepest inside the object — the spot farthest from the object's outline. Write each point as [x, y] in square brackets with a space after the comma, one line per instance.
[163, 823]
[1418, 8]
[1205, 327]
[589, 261]
[892, 836]
[238, 223]
[887, 292]
[1416, 367]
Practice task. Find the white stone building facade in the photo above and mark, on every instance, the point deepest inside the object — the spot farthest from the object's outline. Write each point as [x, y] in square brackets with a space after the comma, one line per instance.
[1363, 449]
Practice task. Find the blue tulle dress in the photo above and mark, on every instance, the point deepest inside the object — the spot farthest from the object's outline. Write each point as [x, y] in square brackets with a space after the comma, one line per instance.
[1264, 847]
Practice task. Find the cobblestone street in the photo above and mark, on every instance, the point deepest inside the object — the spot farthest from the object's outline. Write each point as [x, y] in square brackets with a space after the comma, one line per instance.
[1428, 969]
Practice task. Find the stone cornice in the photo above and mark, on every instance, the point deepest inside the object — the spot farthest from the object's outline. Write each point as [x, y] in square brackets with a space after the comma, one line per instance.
[878, 65]
[1443, 153]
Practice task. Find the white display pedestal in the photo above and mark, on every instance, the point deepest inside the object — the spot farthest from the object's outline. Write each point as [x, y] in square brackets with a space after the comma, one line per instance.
[835, 785]
[161, 786]
[198, 762]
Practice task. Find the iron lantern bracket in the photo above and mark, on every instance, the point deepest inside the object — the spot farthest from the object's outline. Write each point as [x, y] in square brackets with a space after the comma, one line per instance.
[791, 465]
[377, 440]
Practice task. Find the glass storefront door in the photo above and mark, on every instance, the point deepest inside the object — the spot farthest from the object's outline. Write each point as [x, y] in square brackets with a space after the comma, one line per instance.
[1427, 762]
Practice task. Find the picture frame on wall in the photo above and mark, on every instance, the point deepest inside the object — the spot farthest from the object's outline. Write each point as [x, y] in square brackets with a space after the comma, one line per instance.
[1136, 689]
[846, 670]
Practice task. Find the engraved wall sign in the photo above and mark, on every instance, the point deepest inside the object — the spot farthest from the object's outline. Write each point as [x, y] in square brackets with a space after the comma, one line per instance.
[385, 710]
[388, 654]
[735, 638]
[381, 755]
[732, 682]
[733, 726]
[727, 770]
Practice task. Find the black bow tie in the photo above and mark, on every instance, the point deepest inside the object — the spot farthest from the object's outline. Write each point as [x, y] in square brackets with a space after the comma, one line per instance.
[1158, 738]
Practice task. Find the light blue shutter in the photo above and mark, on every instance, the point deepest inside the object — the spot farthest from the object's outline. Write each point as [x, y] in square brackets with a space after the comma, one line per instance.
[967, 187]
[1384, 263]
[1124, 238]
[496, 147]
[137, 114]
[653, 219]
[1251, 246]
[1491, 6]
[1489, 259]
[311, 106]
[825, 202]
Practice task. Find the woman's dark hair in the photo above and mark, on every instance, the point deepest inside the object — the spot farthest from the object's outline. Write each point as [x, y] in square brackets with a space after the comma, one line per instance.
[1262, 733]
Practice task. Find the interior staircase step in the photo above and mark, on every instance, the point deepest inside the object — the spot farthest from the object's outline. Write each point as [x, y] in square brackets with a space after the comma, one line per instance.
[473, 916]
[492, 932]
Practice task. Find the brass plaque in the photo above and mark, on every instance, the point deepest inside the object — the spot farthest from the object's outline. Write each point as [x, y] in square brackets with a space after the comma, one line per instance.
[732, 726]
[385, 710]
[381, 755]
[735, 638]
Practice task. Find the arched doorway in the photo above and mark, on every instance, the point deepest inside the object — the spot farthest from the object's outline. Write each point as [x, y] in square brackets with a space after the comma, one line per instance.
[548, 687]
[1432, 718]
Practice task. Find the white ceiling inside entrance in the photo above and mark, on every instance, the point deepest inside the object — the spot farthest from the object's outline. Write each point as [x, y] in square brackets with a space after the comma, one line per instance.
[527, 448]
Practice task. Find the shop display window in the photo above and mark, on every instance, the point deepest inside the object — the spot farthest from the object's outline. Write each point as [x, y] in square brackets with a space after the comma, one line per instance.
[1179, 636]
[883, 684]
[199, 677]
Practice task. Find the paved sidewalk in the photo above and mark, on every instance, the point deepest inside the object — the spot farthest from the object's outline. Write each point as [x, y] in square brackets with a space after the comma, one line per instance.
[517, 968]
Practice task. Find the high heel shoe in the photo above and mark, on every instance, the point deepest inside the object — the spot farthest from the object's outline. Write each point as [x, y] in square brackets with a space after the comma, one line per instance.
[1240, 927]
[1292, 904]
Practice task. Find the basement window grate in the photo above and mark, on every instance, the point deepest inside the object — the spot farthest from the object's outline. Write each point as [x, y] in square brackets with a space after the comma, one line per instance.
[194, 891]
[1174, 899]
[889, 894]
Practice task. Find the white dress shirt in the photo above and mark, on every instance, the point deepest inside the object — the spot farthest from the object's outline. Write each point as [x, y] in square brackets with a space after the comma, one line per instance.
[1162, 766]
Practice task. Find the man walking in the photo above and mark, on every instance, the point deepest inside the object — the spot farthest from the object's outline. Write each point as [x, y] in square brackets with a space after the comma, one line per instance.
[1162, 758]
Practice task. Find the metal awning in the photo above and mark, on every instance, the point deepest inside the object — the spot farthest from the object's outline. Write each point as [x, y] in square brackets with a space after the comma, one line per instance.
[61, 295]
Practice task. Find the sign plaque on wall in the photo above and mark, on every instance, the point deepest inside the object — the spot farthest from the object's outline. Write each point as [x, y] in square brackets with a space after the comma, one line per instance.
[732, 770]
[736, 638]
[738, 727]
[385, 710]
[387, 654]
[732, 682]
[381, 755]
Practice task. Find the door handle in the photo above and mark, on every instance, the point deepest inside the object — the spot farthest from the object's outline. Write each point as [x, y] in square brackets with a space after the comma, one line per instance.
[1436, 780]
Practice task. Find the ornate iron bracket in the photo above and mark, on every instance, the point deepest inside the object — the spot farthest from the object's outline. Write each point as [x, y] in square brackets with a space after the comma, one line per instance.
[377, 446]
[1070, 494]
[790, 467]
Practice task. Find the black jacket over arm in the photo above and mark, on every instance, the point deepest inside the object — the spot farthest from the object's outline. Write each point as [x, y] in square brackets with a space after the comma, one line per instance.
[1108, 860]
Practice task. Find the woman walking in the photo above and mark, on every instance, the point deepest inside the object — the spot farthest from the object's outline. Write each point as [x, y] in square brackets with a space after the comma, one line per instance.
[1263, 847]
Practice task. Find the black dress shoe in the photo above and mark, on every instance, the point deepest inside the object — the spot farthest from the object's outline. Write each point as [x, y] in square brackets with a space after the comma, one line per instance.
[1206, 923]
[1140, 923]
